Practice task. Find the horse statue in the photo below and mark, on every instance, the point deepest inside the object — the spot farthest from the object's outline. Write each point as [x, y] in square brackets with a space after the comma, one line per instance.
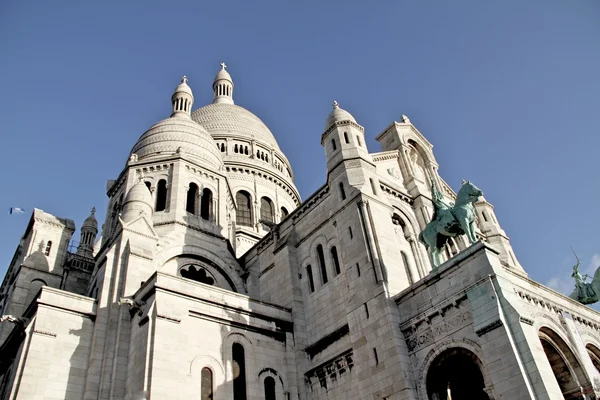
[450, 220]
[585, 293]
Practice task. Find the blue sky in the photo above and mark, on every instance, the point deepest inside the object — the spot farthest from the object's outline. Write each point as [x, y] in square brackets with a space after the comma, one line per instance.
[507, 91]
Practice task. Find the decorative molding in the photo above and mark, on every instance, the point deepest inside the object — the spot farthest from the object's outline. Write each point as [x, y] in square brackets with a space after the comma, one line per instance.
[525, 320]
[489, 327]
[386, 155]
[44, 333]
[166, 318]
[388, 190]
[329, 371]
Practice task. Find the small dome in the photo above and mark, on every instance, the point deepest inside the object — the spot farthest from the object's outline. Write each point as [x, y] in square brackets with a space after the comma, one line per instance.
[183, 87]
[137, 201]
[90, 222]
[178, 135]
[223, 74]
[337, 115]
[140, 193]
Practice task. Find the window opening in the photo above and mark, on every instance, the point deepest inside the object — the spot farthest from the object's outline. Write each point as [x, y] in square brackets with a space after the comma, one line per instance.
[239, 372]
[322, 264]
[48, 248]
[161, 195]
[342, 192]
[346, 137]
[206, 203]
[336, 261]
[206, 384]
[269, 388]
[192, 195]
[244, 210]
[311, 282]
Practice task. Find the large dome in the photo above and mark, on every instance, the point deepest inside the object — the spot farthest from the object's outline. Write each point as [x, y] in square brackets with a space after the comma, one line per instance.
[226, 118]
[178, 135]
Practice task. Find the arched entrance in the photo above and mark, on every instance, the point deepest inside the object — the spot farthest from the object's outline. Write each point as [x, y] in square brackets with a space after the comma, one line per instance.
[455, 374]
[565, 366]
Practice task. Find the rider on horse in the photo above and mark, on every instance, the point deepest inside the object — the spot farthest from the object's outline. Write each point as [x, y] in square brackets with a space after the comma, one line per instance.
[438, 201]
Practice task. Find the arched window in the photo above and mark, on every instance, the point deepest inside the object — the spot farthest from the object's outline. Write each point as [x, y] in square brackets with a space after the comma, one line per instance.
[284, 212]
[161, 195]
[484, 214]
[373, 186]
[206, 205]
[266, 211]
[322, 264]
[311, 282]
[192, 196]
[336, 261]
[48, 248]
[346, 137]
[342, 192]
[206, 384]
[269, 388]
[407, 268]
[239, 372]
[333, 145]
[358, 141]
[244, 208]
[148, 185]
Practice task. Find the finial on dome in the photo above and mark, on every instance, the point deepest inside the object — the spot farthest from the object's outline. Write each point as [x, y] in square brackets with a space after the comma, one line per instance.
[223, 86]
[93, 210]
[182, 99]
[405, 119]
[336, 104]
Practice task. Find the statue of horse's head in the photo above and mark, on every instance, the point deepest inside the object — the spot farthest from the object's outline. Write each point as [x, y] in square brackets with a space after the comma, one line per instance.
[470, 192]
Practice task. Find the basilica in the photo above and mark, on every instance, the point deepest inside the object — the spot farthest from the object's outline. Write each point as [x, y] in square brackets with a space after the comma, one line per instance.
[210, 278]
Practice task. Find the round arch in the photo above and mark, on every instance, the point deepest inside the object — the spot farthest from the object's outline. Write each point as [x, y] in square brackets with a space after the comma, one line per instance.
[166, 257]
[466, 345]
[456, 373]
[565, 365]
[279, 384]
[594, 353]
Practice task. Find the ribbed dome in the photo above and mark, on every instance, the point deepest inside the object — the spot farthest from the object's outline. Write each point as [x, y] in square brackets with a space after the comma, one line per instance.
[91, 220]
[223, 118]
[178, 134]
[337, 115]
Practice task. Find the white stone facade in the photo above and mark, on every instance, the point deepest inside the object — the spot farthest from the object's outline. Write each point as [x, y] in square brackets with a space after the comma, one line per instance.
[211, 279]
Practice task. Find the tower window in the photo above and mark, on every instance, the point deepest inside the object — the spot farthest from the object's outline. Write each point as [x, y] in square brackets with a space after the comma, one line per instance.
[284, 212]
[148, 185]
[367, 310]
[375, 355]
[342, 192]
[346, 137]
[322, 264]
[206, 384]
[266, 211]
[350, 232]
[192, 196]
[269, 388]
[206, 205]
[358, 141]
[311, 282]
[239, 372]
[484, 214]
[161, 195]
[244, 208]
[336, 261]
[333, 145]
[358, 269]
[48, 248]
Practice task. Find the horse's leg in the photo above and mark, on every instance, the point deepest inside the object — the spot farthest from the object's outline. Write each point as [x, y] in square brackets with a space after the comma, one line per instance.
[466, 227]
[472, 231]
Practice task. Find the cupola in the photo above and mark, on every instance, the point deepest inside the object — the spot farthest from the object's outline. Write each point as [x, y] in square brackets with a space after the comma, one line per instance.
[182, 99]
[137, 201]
[223, 87]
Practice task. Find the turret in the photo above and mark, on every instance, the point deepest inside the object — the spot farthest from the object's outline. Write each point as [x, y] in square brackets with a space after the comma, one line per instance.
[495, 235]
[89, 230]
[343, 138]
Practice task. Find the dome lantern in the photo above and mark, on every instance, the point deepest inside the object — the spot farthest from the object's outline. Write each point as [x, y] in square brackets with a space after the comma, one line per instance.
[182, 99]
[223, 87]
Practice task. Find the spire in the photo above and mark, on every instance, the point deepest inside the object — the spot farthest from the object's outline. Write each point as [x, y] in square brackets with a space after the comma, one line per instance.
[223, 86]
[182, 99]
